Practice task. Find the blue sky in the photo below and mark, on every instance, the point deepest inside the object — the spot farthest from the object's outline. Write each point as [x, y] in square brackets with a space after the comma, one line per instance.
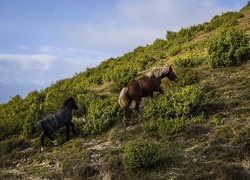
[42, 41]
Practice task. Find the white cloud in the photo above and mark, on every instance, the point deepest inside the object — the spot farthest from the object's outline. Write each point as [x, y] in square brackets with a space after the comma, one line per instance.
[140, 22]
[49, 49]
[110, 39]
[23, 47]
[35, 61]
[169, 14]
[75, 56]
[68, 51]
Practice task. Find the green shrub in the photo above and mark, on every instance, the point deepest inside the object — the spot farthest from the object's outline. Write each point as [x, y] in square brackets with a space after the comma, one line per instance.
[228, 48]
[170, 125]
[189, 60]
[141, 154]
[9, 145]
[227, 19]
[183, 35]
[175, 103]
[187, 76]
[121, 76]
[10, 128]
[172, 111]
[186, 101]
[102, 113]
[174, 50]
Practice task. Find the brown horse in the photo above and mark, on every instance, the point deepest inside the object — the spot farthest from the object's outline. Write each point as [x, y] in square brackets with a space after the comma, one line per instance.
[143, 87]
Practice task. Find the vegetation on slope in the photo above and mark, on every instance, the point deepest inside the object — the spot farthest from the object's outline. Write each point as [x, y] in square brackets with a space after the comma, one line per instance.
[199, 129]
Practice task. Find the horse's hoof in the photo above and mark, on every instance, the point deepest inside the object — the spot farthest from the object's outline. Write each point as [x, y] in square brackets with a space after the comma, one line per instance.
[55, 142]
[130, 123]
[42, 149]
[125, 123]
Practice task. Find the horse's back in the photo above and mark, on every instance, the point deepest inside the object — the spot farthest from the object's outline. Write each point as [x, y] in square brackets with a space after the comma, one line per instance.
[50, 122]
[148, 85]
[146, 82]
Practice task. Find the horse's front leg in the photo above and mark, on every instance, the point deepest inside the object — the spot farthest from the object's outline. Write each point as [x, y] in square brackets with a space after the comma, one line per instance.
[137, 104]
[159, 89]
[151, 94]
[73, 127]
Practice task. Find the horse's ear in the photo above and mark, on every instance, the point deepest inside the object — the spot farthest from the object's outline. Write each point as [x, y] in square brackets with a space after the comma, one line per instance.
[72, 99]
[170, 68]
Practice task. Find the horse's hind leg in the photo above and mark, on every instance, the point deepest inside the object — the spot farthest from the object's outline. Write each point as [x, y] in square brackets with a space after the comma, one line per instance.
[42, 141]
[125, 109]
[67, 131]
[124, 116]
[45, 134]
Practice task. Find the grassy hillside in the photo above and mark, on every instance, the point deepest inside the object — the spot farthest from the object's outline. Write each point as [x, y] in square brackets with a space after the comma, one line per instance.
[199, 129]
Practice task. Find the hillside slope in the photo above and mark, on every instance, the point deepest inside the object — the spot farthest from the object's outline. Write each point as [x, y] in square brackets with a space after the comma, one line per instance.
[200, 128]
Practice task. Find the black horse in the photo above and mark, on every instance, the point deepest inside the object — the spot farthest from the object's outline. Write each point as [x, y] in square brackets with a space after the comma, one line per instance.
[54, 121]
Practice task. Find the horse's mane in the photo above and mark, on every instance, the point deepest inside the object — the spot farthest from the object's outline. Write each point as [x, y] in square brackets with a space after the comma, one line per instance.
[66, 101]
[157, 72]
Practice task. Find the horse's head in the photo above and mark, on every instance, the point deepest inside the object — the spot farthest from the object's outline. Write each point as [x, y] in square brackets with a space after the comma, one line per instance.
[74, 106]
[162, 72]
[171, 75]
[70, 101]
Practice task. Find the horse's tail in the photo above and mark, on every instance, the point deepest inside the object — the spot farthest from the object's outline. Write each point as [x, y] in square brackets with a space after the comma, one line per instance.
[33, 127]
[123, 98]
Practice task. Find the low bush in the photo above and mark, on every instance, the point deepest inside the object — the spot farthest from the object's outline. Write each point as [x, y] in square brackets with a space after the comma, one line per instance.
[141, 154]
[102, 113]
[121, 76]
[229, 47]
[227, 19]
[172, 111]
[183, 35]
[8, 145]
[174, 50]
[187, 76]
[189, 60]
